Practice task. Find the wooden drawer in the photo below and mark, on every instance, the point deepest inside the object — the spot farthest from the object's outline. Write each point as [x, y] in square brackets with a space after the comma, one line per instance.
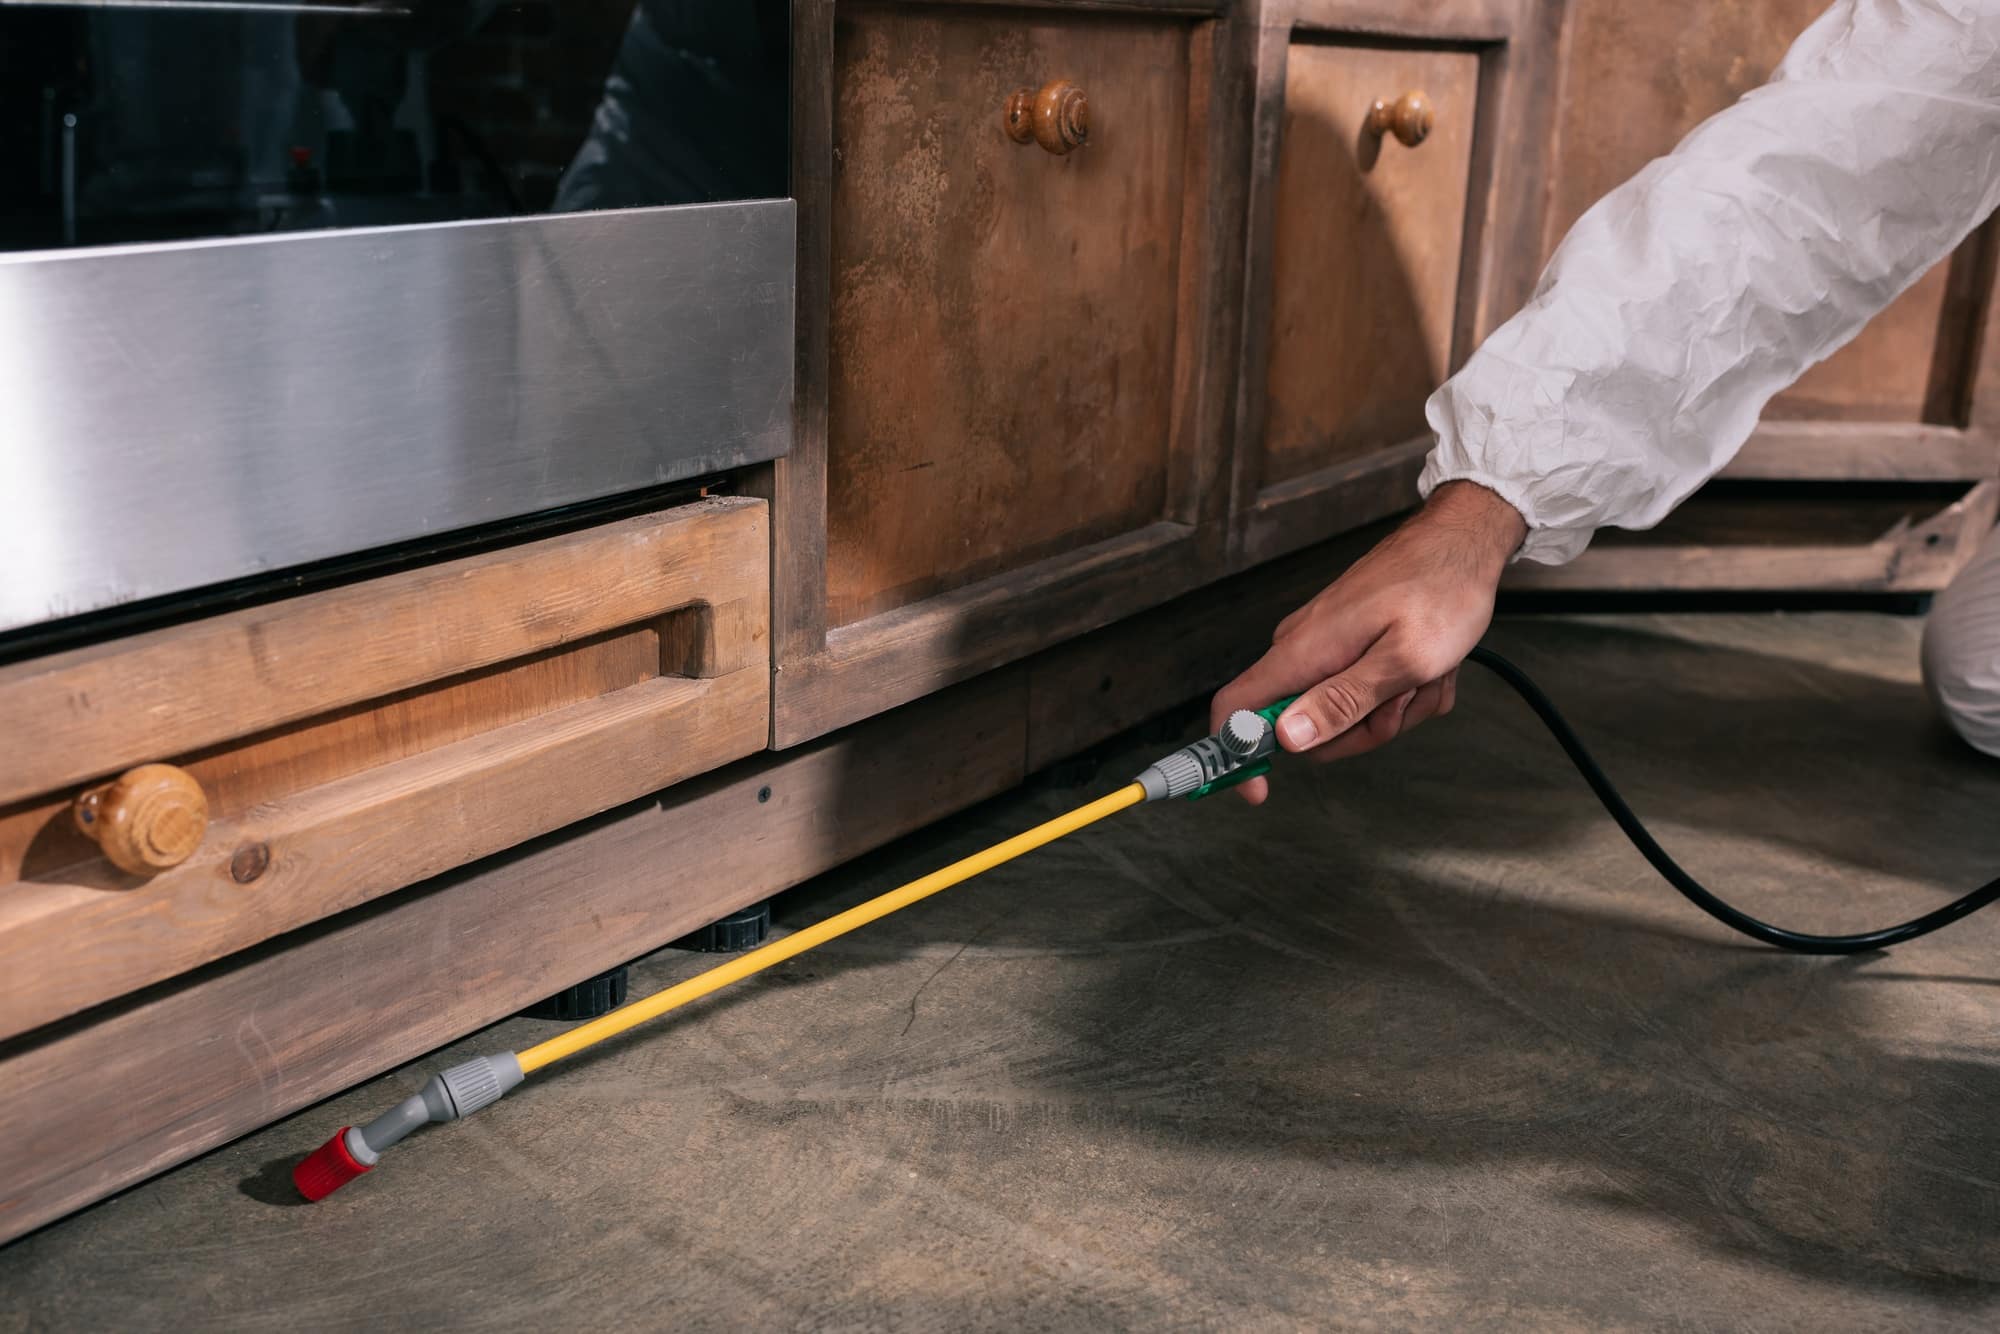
[352, 741]
[1397, 158]
[1367, 236]
[1018, 430]
[1365, 253]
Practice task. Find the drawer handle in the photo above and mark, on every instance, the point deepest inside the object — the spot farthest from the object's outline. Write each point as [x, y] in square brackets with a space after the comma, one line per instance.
[1409, 118]
[1057, 117]
[145, 820]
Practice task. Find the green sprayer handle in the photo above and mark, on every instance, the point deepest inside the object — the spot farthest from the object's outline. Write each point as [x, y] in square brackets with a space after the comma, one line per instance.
[1269, 713]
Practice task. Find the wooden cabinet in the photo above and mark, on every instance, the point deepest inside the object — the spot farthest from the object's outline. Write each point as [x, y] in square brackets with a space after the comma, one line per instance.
[305, 756]
[1381, 207]
[1009, 406]
[1099, 302]
[1032, 395]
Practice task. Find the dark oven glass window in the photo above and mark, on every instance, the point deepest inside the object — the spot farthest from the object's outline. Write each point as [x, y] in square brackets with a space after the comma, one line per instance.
[158, 120]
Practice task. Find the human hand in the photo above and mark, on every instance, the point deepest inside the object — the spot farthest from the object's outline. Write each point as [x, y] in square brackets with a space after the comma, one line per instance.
[1377, 651]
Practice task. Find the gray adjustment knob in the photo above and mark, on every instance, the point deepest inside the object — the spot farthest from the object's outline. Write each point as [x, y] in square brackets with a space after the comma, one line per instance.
[1241, 733]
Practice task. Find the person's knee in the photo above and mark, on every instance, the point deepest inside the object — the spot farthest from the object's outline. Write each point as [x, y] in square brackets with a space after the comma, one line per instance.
[1961, 656]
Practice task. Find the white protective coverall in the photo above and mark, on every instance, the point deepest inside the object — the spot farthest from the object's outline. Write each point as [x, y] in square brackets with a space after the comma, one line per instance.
[1684, 299]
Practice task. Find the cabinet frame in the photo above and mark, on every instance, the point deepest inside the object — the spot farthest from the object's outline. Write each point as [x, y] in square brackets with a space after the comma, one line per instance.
[827, 676]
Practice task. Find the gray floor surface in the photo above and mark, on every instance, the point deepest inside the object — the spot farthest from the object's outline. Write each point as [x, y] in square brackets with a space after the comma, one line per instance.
[1420, 1043]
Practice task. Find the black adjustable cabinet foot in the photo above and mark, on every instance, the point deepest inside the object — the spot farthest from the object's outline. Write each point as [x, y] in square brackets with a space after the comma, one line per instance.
[586, 1000]
[742, 930]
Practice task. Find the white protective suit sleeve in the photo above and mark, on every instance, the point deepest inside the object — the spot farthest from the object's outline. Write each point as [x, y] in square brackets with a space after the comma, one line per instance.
[1684, 299]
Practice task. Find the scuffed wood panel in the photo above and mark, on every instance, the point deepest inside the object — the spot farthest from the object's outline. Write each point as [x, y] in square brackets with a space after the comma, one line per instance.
[1366, 246]
[1003, 323]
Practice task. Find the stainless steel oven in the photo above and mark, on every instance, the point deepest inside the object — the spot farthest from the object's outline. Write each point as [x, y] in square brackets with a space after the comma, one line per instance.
[282, 283]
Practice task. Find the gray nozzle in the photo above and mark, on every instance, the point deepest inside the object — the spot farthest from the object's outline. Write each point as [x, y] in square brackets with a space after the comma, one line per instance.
[1175, 775]
[478, 1082]
[459, 1091]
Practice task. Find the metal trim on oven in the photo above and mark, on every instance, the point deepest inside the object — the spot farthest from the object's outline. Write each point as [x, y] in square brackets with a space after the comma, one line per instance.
[174, 416]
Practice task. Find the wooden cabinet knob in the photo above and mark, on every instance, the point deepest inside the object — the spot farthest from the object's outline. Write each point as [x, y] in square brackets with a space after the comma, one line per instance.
[150, 818]
[1057, 117]
[1408, 118]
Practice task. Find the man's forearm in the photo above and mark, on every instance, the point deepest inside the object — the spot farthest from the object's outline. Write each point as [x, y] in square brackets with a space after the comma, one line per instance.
[1482, 528]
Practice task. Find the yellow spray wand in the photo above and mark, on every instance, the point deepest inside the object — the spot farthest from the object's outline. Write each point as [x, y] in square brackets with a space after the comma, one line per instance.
[1242, 749]
[757, 960]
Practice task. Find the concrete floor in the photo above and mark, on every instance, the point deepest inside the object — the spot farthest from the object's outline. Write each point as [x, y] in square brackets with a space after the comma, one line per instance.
[1421, 1043]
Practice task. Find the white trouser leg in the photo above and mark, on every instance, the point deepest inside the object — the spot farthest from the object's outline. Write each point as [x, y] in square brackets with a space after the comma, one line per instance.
[1962, 649]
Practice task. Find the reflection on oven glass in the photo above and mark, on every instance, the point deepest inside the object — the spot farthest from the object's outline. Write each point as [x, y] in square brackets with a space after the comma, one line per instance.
[154, 120]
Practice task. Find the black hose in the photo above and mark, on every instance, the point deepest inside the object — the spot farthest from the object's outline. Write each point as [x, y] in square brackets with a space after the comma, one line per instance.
[1859, 943]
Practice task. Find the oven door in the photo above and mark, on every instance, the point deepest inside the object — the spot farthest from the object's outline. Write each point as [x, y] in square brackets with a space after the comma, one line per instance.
[283, 283]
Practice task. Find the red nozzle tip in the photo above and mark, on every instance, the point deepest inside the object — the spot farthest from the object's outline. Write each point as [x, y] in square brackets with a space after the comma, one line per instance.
[327, 1168]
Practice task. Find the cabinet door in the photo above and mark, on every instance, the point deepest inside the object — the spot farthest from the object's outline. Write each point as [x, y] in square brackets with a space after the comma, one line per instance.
[1360, 289]
[1638, 78]
[1013, 447]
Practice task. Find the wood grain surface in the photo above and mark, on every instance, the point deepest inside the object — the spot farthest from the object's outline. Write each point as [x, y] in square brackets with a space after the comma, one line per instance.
[914, 650]
[1472, 217]
[1366, 248]
[1102, 495]
[1003, 320]
[240, 775]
